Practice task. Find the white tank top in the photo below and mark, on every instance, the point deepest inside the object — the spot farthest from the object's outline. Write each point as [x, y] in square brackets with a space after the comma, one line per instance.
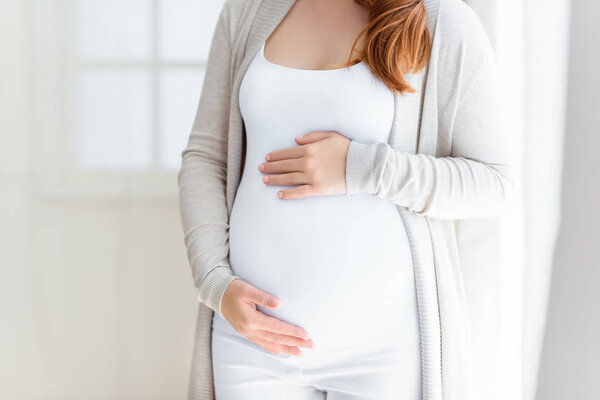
[341, 265]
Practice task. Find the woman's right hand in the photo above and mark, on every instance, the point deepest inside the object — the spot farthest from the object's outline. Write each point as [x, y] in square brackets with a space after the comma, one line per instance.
[238, 306]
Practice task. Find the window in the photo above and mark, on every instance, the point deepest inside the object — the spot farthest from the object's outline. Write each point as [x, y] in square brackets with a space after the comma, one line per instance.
[140, 72]
[128, 80]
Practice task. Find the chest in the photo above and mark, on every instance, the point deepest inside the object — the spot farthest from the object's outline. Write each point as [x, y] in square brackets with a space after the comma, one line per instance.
[320, 33]
[278, 103]
[408, 130]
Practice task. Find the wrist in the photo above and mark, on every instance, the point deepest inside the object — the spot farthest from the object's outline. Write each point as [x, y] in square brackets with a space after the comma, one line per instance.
[361, 170]
[213, 287]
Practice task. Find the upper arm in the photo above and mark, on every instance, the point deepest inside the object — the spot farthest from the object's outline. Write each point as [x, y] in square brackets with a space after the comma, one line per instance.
[478, 129]
[208, 137]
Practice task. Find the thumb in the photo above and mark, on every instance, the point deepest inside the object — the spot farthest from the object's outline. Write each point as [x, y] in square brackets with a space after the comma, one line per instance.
[313, 136]
[264, 299]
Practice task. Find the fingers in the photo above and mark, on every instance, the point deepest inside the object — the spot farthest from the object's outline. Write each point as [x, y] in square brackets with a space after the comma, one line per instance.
[292, 178]
[315, 136]
[273, 334]
[287, 165]
[262, 298]
[275, 325]
[283, 339]
[276, 348]
[290, 152]
[276, 342]
[298, 192]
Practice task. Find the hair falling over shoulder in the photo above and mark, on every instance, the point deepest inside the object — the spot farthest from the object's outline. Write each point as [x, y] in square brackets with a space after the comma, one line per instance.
[396, 41]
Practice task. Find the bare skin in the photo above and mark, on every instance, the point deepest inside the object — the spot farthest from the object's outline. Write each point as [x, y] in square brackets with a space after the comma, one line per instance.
[317, 164]
[272, 334]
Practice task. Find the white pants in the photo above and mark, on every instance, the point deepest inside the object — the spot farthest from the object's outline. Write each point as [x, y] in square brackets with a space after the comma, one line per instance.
[243, 370]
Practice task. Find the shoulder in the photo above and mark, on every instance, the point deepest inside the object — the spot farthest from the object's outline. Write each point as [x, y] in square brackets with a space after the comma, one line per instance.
[459, 26]
[458, 19]
[462, 51]
[233, 4]
[463, 42]
[233, 12]
[233, 9]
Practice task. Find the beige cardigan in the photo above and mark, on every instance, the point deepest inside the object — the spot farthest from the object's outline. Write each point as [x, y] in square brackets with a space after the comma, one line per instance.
[448, 158]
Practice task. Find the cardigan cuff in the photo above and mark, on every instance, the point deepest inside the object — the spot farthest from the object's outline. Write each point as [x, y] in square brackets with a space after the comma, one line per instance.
[212, 288]
[362, 160]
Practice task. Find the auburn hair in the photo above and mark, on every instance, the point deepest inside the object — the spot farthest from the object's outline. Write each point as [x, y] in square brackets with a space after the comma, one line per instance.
[396, 41]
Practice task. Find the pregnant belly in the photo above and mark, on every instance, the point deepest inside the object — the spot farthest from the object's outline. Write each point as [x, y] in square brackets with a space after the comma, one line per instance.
[341, 265]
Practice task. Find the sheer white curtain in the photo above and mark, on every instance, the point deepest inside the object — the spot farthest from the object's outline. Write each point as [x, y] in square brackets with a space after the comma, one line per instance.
[530, 38]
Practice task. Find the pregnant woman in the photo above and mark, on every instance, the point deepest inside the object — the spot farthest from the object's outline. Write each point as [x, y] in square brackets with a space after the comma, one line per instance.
[319, 230]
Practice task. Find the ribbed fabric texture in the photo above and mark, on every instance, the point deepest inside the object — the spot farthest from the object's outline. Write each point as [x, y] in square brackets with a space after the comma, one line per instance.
[212, 288]
[448, 157]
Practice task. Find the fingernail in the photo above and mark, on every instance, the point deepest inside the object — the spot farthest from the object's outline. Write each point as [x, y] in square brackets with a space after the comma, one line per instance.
[279, 194]
[299, 137]
[265, 178]
[261, 167]
[268, 157]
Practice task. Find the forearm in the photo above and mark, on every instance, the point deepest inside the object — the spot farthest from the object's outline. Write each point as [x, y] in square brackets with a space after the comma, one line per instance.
[474, 180]
[204, 218]
[443, 187]
[203, 175]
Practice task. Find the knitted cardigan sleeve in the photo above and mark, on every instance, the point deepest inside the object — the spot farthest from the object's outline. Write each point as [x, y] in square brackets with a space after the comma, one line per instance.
[202, 176]
[475, 181]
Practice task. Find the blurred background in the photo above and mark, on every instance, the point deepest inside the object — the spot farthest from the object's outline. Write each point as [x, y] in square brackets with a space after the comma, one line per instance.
[97, 98]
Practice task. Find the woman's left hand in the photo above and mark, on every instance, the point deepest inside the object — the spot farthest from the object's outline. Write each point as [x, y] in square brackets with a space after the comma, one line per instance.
[318, 165]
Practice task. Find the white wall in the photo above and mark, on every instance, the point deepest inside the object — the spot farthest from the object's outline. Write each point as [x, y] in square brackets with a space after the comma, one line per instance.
[570, 367]
[96, 296]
